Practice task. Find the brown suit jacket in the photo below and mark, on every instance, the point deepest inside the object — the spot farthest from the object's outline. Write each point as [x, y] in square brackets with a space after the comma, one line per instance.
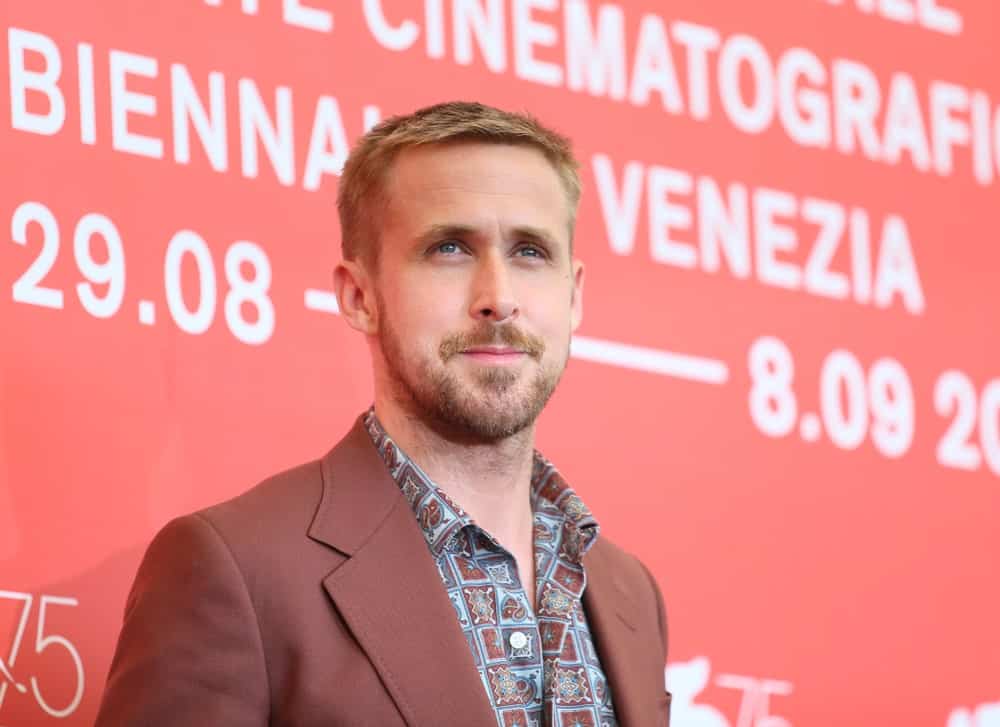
[312, 599]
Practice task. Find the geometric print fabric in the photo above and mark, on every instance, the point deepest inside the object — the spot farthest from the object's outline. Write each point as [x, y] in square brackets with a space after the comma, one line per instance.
[538, 665]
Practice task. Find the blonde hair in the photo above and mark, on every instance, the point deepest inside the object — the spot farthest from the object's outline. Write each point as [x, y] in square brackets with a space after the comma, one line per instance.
[361, 196]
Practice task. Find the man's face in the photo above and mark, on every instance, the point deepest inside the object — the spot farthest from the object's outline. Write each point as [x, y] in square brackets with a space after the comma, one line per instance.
[476, 290]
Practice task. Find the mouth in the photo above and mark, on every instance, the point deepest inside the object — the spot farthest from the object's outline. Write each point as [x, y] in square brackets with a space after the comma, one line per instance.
[494, 355]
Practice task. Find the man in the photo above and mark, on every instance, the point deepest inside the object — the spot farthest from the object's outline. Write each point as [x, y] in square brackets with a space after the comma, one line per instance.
[432, 568]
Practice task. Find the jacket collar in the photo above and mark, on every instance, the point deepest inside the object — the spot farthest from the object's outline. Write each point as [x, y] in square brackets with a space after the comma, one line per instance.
[388, 590]
[389, 593]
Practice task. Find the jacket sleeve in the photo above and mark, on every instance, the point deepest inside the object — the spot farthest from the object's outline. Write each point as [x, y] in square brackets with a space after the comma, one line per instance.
[190, 649]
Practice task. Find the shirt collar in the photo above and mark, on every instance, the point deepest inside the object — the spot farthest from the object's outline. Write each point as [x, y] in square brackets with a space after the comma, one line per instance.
[443, 520]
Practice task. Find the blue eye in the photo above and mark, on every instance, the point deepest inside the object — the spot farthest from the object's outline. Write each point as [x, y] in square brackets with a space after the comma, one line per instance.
[448, 247]
[531, 250]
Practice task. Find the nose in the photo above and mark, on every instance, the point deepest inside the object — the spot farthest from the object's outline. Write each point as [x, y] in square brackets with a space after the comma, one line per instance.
[493, 297]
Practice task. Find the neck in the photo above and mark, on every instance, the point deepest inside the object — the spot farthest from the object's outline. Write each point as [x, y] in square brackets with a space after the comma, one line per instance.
[490, 480]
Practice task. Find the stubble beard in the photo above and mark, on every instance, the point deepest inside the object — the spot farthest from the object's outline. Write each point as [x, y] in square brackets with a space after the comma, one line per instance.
[496, 405]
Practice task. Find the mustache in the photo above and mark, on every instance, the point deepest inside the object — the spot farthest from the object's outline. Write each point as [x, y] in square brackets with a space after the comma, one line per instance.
[492, 335]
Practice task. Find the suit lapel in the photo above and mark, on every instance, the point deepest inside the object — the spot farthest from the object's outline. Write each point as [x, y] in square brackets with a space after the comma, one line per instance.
[611, 616]
[389, 591]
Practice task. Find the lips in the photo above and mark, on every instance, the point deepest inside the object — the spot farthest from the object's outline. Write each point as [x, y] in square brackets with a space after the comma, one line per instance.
[493, 350]
[494, 354]
[489, 342]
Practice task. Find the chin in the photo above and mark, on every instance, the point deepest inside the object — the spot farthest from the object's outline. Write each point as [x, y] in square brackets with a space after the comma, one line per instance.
[500, 417]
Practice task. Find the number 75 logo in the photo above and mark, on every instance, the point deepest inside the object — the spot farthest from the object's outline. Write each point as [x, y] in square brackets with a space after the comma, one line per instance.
[42, 642]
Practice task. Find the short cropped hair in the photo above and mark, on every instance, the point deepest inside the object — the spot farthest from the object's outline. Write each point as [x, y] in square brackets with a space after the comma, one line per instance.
[361, 196]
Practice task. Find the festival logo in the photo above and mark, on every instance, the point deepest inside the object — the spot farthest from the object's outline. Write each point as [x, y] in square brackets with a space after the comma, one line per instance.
[985, 715]
[686, 680]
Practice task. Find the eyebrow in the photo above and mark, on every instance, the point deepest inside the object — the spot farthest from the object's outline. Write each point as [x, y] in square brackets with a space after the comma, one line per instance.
[439, 232]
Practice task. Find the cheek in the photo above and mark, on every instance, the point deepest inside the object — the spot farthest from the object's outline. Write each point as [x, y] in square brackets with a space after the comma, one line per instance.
[431, 303]
[553, 309]
[418, 325]
[424, 282]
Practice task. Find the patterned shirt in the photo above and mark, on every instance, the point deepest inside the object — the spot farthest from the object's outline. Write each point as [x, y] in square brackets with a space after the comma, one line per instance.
[538, 666]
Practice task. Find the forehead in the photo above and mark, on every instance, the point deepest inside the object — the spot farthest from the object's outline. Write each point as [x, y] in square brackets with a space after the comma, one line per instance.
[475, 183]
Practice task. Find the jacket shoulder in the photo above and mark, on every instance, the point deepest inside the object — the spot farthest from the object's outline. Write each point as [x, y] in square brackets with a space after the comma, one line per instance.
[284, 500]
[267, 527]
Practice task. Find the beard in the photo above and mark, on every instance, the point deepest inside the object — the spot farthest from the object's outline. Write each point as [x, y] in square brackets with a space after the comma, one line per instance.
[496, 404]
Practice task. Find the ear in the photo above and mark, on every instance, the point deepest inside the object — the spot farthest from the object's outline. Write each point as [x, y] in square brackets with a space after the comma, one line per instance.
[576, 302]
[356, 296]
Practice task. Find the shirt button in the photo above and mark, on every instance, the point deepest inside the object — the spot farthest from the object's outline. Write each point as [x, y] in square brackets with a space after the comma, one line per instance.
[518, 640]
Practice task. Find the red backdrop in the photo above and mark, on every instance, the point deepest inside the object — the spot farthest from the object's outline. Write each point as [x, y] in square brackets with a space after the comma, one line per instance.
[786, 392]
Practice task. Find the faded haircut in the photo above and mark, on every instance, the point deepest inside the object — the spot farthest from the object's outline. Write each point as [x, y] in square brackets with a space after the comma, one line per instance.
[362, 198]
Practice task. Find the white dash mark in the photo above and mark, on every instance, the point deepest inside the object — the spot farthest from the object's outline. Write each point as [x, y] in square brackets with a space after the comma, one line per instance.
[321, 300]
[652, 360]
[147, 312]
